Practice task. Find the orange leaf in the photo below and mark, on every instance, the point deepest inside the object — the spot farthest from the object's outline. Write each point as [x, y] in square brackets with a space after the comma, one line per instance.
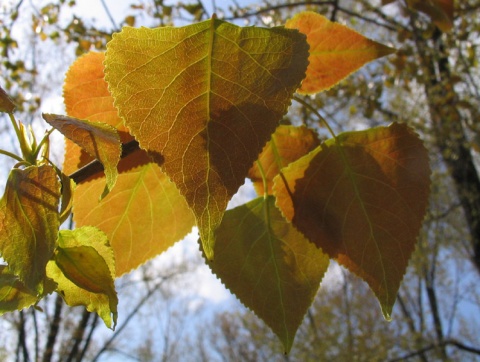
[288, 144]
[336, 51]
[440, 11]
[146, 213]
[361, 199]
[205, 98]
[268, 265]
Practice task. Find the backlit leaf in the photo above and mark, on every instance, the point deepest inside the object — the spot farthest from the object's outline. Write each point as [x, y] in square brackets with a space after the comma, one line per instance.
[440, 11]
[6, 104]
[13, 294]
[287, 144]
[84, 269]
[362, 200]
[100, 140]
[268, 265]
[336, 51]
[143, 201]
[29, 223]
[205, 99]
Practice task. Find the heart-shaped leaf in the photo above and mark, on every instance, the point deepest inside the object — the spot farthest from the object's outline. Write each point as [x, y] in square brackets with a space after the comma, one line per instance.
[205, 99]
[144, 199]
[362, 199]
[336, 51]
[268, 265]
[29, 223]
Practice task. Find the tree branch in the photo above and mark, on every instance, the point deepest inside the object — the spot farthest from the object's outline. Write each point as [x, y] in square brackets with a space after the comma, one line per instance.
[445, 343]
[95, 167]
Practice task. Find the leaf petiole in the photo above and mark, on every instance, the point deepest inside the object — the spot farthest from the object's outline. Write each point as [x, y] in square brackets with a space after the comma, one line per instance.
[264, 179]
[314, 111]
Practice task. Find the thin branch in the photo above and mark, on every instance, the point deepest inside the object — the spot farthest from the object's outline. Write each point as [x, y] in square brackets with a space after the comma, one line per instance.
[88, 339]
[109, 14]
[53, 332]
[95, 167]
[78, 335]
[449, 342]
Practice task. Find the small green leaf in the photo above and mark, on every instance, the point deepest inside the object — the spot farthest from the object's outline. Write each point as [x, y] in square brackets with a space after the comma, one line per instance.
[13, 294]
[268, 265]
[29, 223]
[84, 270]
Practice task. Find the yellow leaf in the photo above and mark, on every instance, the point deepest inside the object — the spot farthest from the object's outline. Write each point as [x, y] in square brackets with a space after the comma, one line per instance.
[336, 51]
[362, 199]
[143, 201]
[205, 99]
[84, 269]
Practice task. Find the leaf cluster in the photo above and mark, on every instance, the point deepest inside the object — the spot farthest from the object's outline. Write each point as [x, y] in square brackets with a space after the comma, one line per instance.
[198, 107]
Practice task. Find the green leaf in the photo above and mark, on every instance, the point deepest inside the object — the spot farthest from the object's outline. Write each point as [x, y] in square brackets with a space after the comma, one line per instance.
[29, 223]
[362, 199]
[13, 294]
[100, 140]
[205, 99]
[84, 270]
[268, 265]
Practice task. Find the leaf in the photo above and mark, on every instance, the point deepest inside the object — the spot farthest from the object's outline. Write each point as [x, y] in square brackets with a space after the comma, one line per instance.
[336, 51]
[205, 99]
[100, 140]
[6, 104]
[143, 201]
[13, 294]
[440, 11]
[361, 199]
[84, 269]
[287, 144]
[143, 216]
[29, 223]
[268, 265]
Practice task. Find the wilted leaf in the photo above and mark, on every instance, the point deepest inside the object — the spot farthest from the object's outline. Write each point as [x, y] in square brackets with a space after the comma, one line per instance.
[13, 294]
[205, 99]
[143, 201]
[29, 223]
[100, 140]
[268, 265]
[6, 104]
[362, 200]
[84, 269]
[440, 11]
[288, 144]
[336, 51]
